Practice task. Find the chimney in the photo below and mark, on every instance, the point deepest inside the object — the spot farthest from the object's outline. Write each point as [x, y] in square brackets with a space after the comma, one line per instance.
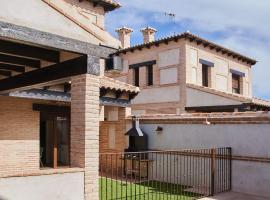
[124, 34]
[148, 34]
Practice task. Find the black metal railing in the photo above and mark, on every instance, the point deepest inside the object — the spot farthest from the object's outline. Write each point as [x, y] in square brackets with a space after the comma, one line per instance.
[164, 175]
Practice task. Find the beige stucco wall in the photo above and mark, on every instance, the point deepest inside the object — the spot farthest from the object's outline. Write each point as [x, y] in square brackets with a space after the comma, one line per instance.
[245, 139]
[42, 17]
[218, 72]
[68, 186]
[199, 98]
[158, 95]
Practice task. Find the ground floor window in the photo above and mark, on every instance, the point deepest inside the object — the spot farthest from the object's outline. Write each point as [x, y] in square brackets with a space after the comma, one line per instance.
[54, 140]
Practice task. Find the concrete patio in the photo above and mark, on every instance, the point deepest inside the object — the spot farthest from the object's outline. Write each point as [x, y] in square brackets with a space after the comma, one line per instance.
[235, 196]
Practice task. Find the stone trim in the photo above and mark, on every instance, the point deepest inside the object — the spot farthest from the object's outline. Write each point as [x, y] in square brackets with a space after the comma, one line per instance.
[47, 171]
[219, 93]
[213, 118]
[234, 157]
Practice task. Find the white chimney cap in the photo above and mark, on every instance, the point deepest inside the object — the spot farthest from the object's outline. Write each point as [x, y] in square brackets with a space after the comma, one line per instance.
[124, 29]
[148, 29]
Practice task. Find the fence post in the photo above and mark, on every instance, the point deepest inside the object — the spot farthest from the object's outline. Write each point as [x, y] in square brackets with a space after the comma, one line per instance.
[230, 167]
[213, 171]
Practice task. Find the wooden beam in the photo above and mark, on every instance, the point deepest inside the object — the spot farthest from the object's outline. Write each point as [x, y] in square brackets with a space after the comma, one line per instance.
[51, 108]
[55, 72]
[41, 38]
[14, 68]
[20, 61]
[142, 64]
[5, 73]
[28, 51]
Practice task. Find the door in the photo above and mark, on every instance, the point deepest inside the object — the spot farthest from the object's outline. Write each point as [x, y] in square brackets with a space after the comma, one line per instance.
[54, 139]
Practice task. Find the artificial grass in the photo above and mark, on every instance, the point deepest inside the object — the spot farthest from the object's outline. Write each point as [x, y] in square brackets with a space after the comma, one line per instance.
[151, 190]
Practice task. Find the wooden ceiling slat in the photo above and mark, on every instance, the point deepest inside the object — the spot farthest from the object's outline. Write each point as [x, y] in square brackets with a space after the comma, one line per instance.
[5, 73]
[20, 61]
[54, 72]
[14, 68]
[28, 51]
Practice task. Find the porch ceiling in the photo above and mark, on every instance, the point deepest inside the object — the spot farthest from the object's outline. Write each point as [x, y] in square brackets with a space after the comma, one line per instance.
[31, 58]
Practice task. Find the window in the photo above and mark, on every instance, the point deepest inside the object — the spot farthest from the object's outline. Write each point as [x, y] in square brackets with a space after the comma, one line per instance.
[235, 84]
[205, 76]
[150, 75]
[137, 76]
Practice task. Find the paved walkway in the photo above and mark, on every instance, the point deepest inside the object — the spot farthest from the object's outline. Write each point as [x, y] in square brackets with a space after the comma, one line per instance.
[234, 196]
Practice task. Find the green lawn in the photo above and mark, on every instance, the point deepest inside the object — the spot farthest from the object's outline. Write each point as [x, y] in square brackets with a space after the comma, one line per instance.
[111, 190]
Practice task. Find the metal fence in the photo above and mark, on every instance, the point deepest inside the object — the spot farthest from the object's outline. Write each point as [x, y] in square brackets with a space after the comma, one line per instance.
[164, 175]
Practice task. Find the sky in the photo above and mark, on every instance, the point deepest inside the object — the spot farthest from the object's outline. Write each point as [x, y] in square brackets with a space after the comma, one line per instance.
[241, 25]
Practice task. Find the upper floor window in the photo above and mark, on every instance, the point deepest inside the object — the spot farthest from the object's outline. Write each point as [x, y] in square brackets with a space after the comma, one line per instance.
[206, 72]
[235, 83]
[150, 75]
[137, 76]
[149, 70]
[205, 80]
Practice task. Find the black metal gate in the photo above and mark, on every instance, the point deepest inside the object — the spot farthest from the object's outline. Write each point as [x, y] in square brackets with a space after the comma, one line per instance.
[164, 175]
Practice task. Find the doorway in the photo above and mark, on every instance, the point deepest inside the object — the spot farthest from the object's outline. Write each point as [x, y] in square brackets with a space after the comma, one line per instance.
[54, 140]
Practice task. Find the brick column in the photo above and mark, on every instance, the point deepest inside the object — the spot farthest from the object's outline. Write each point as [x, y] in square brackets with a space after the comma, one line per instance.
[85, 130]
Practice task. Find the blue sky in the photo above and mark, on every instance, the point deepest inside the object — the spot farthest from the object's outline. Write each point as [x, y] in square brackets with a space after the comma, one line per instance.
[242, 25]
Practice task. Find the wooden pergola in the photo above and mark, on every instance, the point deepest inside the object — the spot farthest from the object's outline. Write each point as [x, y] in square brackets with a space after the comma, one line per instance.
[30, 58]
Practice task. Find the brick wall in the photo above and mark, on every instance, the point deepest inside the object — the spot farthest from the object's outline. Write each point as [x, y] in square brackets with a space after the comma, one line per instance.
[213, 56]
[153, 108]
[19, 137]
[120, 129]
[85, 130]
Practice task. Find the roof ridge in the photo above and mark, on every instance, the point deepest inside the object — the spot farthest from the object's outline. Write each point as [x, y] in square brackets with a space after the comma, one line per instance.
[192, 37]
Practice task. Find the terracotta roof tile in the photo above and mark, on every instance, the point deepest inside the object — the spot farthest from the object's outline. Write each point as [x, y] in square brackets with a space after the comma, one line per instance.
[109, 5]
[110, 83]
[260, 102]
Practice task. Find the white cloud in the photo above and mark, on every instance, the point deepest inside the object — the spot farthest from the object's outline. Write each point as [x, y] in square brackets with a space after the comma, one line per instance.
[241, 25]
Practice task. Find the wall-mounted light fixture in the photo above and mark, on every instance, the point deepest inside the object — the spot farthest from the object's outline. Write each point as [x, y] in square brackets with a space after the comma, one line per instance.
[159, 129]
[207, 122]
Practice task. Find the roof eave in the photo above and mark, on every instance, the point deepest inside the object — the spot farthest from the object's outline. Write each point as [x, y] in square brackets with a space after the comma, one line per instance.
[108, 6]
[192, 38]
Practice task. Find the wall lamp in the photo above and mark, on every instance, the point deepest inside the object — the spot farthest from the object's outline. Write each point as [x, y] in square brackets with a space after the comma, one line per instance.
[159, 129]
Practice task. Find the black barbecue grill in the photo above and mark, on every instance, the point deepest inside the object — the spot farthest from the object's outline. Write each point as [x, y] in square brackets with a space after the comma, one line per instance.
[136, 163]
[138, 140]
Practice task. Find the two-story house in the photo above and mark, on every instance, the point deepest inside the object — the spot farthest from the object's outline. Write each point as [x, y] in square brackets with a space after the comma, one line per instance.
[185, 73]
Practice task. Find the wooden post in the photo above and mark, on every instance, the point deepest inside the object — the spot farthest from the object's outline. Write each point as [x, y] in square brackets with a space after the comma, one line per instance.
[213, 170]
